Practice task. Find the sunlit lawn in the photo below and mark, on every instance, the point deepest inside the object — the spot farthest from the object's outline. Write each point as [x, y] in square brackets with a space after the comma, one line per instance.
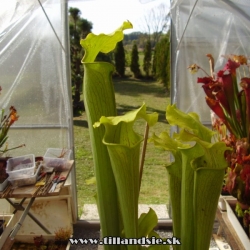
[130, 94]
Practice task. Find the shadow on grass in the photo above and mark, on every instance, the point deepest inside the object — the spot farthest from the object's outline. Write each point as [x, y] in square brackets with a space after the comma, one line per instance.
[80, 123]
[135, 87]
[122, 109]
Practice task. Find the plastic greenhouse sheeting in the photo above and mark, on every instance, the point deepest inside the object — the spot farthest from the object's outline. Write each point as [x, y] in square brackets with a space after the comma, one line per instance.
[200, 27]
[34, 74]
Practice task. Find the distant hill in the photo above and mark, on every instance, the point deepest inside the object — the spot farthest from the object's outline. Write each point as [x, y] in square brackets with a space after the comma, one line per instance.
[140, 38]
[132, 36]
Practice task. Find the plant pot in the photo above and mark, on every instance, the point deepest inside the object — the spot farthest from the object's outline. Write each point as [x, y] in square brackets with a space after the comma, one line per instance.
[38, 241]
[1, 226]
[3, 175]
[62, 244]
[231, 204]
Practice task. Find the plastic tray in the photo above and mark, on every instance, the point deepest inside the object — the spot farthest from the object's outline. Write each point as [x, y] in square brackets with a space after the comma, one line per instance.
[25, 180]
[20, 167]
[57, 158]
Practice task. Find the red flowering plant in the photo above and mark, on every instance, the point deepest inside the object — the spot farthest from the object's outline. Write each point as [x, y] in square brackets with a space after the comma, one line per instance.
[228, 96]
[5, 123]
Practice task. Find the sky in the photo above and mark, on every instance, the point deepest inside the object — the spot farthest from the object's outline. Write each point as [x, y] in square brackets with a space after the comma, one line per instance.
[107, 15]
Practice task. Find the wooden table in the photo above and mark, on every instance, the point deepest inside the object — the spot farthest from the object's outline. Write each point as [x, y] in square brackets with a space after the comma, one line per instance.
[32, 192]
[230, 234]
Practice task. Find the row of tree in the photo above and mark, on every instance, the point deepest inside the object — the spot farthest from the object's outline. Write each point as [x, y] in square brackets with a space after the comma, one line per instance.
[79, 28]
[155, 63]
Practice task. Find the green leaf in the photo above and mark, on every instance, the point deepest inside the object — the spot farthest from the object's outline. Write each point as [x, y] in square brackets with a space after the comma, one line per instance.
[98, 88]
[129, 117]
[3, 140]
[187, 194]
[174, 170]
[125, 165]
[188, 121]
[195, 178]
[123, 145]
[209, 171]
[91, 181]
[93, 44]
[207, 189]
[147, 222]
[165, 142]
[213, 152]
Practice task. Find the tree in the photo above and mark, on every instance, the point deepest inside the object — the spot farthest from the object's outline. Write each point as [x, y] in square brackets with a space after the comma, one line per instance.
[161, 62]
[120, 59]
[134, 65]
[84, 27]
[78, 28]
[147, 58]
[157, 23]
[74, 15]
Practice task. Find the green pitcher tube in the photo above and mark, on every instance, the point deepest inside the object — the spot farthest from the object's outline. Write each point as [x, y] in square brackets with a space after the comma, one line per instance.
[99, 100]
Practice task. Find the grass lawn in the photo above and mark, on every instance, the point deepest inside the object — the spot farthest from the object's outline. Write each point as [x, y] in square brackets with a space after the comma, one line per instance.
[130, 94]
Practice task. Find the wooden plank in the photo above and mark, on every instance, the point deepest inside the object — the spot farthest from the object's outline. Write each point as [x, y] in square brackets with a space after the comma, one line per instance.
[25, 191]
[230, 234]
[8, 244]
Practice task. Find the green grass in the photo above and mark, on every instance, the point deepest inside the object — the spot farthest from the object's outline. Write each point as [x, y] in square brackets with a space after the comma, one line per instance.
[130, 94]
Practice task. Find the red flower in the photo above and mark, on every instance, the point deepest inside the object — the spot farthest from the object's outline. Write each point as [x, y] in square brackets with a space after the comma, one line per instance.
[232, 107]
[245, 176]
[209, 86]
[245, 84]
[223, 100]
[228, 90]
[215, 106]
[221, 90]
[231, 66]
[247, 189]
[231, 181]
[245, 172]
[205, 80]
